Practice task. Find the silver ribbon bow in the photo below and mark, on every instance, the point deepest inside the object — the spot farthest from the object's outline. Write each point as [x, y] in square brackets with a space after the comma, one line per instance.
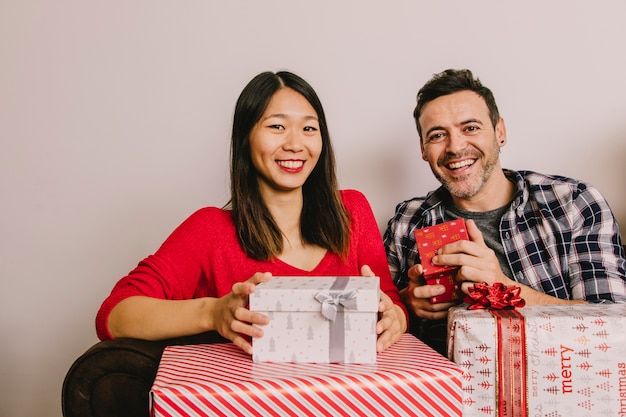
[331, 299]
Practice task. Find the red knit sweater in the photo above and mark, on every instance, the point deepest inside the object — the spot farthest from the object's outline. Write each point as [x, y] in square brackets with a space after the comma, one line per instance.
[203, 258]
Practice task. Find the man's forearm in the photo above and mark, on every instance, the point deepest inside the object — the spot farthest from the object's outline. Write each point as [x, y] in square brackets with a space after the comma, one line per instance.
[534, 297]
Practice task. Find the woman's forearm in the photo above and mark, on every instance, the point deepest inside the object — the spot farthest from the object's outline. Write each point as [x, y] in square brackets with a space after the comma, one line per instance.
[149, 318]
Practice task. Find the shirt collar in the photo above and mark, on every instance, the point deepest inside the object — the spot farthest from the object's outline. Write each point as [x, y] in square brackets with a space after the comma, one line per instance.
[435, 198]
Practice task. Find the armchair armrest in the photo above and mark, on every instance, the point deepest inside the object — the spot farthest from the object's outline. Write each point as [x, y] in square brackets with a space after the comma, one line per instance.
[114, 377]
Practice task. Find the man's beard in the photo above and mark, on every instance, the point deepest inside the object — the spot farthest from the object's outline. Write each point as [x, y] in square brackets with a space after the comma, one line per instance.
[459, 188]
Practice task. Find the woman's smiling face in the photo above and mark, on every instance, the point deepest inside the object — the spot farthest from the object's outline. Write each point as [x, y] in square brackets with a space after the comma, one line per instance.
[286, 143]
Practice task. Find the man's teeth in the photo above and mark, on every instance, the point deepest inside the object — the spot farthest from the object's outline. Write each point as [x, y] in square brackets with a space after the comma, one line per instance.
[291, 164]
[461, 164]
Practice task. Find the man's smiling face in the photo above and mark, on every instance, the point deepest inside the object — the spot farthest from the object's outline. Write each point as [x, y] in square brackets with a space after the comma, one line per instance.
[460, 143]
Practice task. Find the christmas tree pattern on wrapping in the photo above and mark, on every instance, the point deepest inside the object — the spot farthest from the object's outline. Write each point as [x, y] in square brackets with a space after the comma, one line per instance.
[575, 353]
[298, 328]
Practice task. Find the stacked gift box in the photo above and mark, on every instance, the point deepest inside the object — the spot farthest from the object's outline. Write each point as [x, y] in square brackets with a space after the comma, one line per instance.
[551, 361]
[317, 319]
[317, 357]
[408, 379]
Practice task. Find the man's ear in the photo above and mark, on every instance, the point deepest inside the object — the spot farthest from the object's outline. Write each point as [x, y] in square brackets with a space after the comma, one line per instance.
[422, 150]
[501, 132]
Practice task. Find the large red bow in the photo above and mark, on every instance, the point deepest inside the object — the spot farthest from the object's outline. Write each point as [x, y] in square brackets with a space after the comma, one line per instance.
[495, 297]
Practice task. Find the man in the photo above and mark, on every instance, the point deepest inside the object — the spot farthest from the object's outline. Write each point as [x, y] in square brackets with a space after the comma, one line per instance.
[554, 237]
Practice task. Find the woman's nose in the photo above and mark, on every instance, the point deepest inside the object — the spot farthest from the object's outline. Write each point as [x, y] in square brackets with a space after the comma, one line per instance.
[294, 140]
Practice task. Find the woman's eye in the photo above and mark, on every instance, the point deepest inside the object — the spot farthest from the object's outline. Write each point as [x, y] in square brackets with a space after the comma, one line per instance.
[310, 129]
[277, 127]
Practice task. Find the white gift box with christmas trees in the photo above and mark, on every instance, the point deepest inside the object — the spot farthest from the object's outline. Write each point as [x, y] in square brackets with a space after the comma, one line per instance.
[548, 361]
[317, 319]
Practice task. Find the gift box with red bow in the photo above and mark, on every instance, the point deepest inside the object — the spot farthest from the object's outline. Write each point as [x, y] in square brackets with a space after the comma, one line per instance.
[317, 319]
[552, 360]
[428, 240]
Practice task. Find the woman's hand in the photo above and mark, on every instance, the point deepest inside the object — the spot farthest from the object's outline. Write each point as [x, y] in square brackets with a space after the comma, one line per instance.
[392, 321]
[233, 319]
[391, 324]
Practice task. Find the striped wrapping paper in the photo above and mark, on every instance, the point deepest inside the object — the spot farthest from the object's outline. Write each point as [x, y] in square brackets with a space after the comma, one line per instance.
[408, 379]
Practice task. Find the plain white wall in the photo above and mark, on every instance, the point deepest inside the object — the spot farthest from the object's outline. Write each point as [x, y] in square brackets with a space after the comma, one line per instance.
[115, 120]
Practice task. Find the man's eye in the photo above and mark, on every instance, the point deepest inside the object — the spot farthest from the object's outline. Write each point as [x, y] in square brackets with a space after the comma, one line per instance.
[435, 137]
[471, 128]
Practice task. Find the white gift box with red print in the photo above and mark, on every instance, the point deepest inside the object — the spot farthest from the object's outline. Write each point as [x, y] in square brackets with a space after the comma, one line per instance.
[408, 379]
[549, 361]
[317, 319]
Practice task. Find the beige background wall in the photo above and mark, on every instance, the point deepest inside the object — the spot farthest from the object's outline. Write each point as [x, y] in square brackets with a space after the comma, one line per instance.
[115, 120]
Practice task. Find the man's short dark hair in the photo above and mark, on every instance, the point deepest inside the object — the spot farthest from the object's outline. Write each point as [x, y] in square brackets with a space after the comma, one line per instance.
[452, 81]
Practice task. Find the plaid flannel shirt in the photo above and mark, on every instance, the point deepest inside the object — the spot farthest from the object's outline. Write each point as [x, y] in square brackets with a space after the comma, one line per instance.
[559, 235]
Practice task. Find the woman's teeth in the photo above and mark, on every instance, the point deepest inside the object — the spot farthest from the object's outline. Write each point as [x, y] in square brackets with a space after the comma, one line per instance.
[291, 164]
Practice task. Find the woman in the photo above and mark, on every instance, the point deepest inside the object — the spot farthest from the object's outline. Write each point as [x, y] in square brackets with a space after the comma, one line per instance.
[285, 217]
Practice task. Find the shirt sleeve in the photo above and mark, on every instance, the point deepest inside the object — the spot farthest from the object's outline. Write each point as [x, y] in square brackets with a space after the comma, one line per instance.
[171, 273]
[597, 263]
[393, 249]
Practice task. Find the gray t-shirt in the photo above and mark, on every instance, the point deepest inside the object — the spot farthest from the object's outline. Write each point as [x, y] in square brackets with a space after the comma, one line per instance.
[488, 223]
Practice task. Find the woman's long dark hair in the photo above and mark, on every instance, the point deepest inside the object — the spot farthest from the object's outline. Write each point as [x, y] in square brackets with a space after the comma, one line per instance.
[324, 220]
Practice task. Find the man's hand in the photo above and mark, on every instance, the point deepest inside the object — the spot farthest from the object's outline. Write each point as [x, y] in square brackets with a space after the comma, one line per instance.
[476, 261]
[479, 263]
[416, 296]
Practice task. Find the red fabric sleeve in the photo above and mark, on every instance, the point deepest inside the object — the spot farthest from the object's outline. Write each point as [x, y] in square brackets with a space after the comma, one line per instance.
[175, 271]
[202, 258]
[369, 243]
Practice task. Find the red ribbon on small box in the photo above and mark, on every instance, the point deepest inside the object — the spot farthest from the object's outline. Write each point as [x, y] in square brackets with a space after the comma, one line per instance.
[495, 297]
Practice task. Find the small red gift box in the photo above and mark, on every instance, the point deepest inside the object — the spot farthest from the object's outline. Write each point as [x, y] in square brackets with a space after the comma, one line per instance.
[428, 240]
[408, 379]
